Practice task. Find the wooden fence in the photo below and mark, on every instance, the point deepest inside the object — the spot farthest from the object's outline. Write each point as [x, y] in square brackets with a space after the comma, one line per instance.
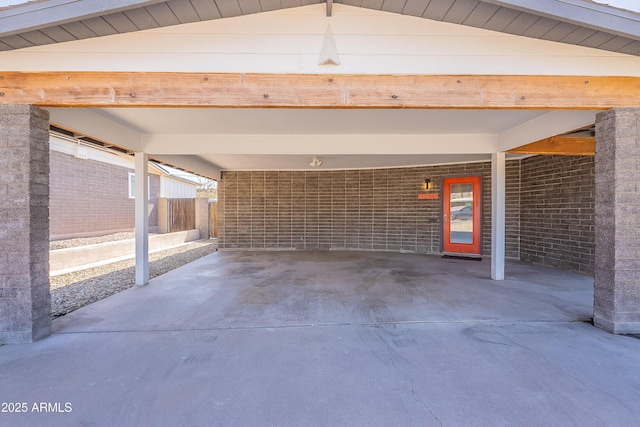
[182, 214]
[213, 220]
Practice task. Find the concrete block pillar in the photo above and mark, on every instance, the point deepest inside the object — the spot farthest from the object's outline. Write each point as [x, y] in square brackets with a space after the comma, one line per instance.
[202, 216]
[617, 224]
[25, 299]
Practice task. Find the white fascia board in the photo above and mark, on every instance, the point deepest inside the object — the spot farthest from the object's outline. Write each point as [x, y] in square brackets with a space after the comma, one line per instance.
[102, 155]
[551, 124]
[69, 147]
[35, 15]
[155, 170]
[191, 163]
[582, 13]
[94, 125]
[326, 144]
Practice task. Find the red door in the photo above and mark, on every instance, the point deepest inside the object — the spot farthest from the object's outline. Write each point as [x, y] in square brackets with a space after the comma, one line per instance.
[461, 215]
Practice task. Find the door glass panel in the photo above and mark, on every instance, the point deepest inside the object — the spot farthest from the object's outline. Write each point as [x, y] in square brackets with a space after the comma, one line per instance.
[461, 213]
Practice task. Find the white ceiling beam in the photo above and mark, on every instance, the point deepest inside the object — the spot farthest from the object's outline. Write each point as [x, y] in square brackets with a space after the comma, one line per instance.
[90, 123]
[551, 124]
[326, 144]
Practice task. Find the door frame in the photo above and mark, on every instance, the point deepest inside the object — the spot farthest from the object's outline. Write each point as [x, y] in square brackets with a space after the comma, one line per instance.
[479, 204]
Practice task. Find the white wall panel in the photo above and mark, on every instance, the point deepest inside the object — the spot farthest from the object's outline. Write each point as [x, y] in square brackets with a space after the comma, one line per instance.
[290, 40]
[174, 189]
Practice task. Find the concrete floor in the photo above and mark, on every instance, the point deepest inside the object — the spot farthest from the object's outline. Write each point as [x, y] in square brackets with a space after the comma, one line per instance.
[331, 339]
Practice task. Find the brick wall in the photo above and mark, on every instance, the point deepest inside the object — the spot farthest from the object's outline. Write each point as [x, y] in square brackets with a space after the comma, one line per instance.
[90, 198]
[557, 212]
[355, 209]
[512, 214]
[549, 217]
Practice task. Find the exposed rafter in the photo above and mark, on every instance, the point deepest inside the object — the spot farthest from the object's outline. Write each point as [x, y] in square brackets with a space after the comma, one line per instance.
[562, 145]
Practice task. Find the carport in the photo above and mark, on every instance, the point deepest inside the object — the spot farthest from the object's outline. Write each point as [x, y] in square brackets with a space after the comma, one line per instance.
[370, 112]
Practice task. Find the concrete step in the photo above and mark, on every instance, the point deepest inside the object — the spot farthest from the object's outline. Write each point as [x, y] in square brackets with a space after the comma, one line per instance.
[62, 261]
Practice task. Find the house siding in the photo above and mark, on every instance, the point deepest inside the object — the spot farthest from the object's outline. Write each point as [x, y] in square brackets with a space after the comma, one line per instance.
[557, 212]
[173, 189]
[374, 209]
[90, 198]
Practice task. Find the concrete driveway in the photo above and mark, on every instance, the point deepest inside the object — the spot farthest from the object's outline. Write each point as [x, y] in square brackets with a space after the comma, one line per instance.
[330, 339]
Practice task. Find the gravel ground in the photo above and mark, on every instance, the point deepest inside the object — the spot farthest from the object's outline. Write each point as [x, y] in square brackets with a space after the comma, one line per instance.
[74, 290]
[83, 241]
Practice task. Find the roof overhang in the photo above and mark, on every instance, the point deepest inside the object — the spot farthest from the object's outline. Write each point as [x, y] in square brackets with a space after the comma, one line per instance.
[579, 22]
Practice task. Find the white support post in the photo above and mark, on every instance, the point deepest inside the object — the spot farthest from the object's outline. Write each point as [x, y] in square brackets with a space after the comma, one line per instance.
[142, 219]
[498, 207]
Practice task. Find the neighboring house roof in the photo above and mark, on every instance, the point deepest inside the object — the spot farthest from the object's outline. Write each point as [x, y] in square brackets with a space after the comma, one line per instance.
[178, 174]
[577, 22]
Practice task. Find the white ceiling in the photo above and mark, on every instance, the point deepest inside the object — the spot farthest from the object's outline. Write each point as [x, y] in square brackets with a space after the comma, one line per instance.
[344, 161]
[208, 140]
[252, 139]
[259, 121]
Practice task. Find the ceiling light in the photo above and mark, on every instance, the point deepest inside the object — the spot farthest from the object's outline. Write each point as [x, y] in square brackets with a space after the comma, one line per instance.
[315, 162]
[329, 53]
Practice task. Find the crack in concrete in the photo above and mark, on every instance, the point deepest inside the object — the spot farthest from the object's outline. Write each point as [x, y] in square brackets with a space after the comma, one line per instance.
[569, 374]
[421, 403]
[409, 378]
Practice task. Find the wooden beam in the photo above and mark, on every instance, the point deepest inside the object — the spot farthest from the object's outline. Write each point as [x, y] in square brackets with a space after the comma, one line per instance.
[128, 89]
[560, 145]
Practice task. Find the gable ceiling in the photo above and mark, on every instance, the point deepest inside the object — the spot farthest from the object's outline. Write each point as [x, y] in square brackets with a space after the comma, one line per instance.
[577, 22]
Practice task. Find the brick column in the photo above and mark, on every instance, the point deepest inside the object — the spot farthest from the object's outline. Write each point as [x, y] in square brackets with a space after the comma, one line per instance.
[25, 299]
[617, 225]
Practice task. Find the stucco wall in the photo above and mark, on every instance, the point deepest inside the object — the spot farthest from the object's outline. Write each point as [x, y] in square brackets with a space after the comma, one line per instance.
[90, 198]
